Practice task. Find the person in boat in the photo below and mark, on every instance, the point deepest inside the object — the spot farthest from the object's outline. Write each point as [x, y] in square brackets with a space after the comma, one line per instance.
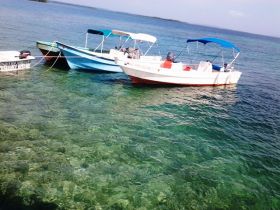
[132, 53]
[170, 58]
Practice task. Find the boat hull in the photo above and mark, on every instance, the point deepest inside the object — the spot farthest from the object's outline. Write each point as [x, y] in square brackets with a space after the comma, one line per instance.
[161, 76]
[51, 53]
[15, 65]
[85, 60]
[11, 61]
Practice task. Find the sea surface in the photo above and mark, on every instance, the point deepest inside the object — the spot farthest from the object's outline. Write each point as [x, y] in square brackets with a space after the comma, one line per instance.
[79, 140]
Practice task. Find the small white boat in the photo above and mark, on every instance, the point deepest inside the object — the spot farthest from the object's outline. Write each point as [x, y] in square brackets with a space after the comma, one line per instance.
[15, 60]
[204, 73]
[100, 59]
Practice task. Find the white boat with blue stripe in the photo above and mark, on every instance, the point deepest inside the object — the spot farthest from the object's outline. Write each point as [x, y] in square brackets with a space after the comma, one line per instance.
[101, 59]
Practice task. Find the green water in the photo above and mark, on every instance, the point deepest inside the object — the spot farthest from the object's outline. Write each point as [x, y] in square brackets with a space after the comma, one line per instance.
[81, 144]
[77, 140]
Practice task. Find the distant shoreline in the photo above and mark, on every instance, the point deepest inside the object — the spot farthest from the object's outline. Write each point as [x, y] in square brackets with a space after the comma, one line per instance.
[275, 38]
[44, 1]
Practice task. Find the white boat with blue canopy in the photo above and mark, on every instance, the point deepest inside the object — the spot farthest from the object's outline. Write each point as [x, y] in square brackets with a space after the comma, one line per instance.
[203, 73]
[103, 59]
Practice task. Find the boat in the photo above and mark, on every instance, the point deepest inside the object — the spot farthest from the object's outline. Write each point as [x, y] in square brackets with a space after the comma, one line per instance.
[101, 59]
[202, 73]
[15, 60]
[52, 54]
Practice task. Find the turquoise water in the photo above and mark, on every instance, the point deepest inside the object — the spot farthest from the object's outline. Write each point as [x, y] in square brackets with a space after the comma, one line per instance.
[76, 140]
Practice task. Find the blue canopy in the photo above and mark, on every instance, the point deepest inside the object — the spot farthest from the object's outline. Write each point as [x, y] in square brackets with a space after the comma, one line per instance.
[99, 32]
[107, 32]
[220, 42]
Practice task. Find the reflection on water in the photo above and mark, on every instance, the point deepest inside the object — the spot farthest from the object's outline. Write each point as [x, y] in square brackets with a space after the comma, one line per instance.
[213, 96]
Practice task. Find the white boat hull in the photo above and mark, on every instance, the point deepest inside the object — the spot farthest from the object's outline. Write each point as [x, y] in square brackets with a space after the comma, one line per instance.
[11, 61]
[177, 76]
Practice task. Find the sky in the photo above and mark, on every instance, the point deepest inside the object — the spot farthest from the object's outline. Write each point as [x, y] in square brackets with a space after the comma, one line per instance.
[253, 16]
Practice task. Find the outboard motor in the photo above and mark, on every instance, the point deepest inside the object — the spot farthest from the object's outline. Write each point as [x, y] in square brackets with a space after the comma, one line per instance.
[170, 56]
[24, 53]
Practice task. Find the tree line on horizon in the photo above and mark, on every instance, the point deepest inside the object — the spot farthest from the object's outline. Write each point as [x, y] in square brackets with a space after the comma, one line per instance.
[40, 0]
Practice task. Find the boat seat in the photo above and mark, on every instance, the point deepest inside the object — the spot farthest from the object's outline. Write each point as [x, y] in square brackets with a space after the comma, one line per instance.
[204, 66]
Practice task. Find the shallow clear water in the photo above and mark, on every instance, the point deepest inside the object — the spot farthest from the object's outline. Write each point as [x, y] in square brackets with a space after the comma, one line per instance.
[76, 140]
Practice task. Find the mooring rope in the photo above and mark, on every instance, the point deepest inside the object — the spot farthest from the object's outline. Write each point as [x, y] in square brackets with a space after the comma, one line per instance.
[42, 57]
[59, 55]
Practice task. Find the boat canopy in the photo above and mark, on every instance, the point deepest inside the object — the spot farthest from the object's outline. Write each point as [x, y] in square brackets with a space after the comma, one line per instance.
[133, 36]
[99, 32]
[121, 33]
[144, 37]
[222, 43]
[136, 36]
[107, 32]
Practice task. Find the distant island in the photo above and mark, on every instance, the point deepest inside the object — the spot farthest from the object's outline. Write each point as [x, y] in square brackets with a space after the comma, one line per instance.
[40, 0]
